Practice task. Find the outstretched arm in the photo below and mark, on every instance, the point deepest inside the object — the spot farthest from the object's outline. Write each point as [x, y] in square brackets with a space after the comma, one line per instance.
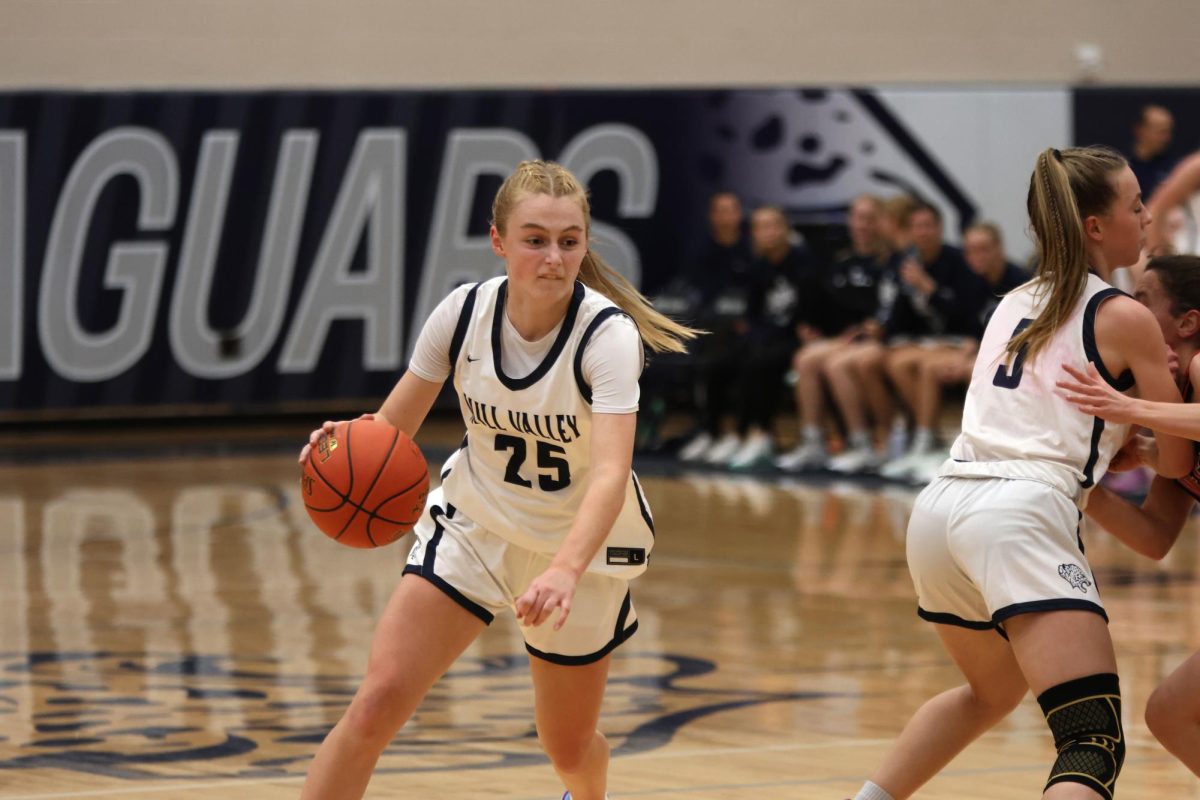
[612, 457]
[1151, 529]
[1129, 336]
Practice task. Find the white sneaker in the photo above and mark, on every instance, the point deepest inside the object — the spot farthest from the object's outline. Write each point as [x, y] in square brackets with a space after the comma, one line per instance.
[901, 469]
[756, 448]
[856, 459]
[697, 447]
[927, 467]
[897, 441]
[723, 449]
[806, 456]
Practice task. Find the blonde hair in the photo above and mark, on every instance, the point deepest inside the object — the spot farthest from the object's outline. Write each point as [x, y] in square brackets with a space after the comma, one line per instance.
[1066, 188]
[659, 332]
[899, 207]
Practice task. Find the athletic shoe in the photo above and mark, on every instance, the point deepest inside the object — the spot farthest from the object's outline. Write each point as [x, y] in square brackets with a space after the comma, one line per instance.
[806, 456]
[567, 796]
[723, 449]
[756, 448]
[901, 469]
[927, 467]
[856, 459]
[695, 449]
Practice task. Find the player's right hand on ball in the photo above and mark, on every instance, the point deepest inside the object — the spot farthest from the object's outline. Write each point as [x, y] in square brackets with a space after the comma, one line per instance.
[320, 433]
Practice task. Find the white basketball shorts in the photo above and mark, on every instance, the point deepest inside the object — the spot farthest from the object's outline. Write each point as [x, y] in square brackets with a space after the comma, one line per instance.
[982, 550]
[486, 574]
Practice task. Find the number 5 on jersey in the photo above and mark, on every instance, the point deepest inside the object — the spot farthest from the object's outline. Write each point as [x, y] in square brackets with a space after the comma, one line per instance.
[548, 458]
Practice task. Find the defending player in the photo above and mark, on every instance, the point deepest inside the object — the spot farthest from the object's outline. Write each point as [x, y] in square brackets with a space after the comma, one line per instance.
[539, 510]
[993, 542]
[1170, 288]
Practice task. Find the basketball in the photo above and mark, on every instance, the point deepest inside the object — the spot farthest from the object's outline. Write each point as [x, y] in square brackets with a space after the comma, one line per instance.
[365, 485]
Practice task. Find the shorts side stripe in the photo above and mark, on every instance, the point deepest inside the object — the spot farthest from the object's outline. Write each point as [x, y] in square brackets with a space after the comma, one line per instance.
[591, 658]
[1057, 604]
[426, 570]
[943, 618]
[643, 506]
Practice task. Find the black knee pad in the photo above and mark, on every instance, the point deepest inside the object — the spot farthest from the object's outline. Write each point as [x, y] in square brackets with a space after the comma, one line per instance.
[1085, 717]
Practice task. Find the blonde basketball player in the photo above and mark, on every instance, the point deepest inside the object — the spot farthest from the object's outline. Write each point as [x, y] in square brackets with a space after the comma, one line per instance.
[1170, 288]
[539, 510]
[993, 543]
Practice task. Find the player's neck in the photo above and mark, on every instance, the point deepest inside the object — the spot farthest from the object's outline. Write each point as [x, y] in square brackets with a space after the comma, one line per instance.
[532, 320]
[1185, 351]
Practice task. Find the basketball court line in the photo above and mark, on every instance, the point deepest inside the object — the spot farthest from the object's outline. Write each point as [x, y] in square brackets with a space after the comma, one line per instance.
[1139, 742]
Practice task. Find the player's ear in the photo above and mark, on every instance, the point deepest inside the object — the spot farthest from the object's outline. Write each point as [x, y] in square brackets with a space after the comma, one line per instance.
[1092, 228]
[497, 242]
[1189, 323]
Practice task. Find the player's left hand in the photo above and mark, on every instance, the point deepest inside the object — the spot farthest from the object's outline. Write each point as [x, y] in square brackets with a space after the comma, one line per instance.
[554, 588]
[1091, 394]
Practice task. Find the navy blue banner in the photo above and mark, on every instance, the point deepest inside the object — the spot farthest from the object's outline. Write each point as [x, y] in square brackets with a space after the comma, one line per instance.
[252, 249]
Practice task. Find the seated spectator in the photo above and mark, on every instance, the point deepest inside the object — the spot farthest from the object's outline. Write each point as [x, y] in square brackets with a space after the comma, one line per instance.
[718, 283]
[781, 275]
[842, 308]
[1150, 157]
[919, 373]
[928, 280]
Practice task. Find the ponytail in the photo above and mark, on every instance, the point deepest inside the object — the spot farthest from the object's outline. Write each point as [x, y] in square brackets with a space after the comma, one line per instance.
[1067, 187]
[661, 333]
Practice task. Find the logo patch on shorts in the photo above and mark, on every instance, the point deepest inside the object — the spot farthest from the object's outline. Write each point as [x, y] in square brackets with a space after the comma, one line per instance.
[1074, 575]
[631, 556]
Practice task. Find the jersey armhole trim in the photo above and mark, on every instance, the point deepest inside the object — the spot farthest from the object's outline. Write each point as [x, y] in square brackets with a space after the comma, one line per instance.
[1124, 382]
[600, 318]
[460, 329]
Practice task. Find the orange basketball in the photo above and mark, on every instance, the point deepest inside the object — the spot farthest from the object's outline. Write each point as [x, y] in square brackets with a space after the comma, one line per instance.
[365, 486]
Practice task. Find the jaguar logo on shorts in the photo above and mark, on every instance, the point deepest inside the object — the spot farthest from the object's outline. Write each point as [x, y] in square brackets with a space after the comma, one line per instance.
[1074, 575]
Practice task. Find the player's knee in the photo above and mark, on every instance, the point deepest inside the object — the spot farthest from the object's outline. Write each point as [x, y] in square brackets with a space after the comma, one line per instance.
[567, 751]
[1166, 717]
[375, 714]
[1085, 717]
[998, 700]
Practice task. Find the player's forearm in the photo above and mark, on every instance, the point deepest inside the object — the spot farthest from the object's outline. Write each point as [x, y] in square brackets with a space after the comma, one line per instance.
[1137, 529]
[1173, 419]
[601, 504]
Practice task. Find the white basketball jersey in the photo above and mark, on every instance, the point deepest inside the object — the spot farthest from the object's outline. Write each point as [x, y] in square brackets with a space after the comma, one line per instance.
[1015, 423]
[524, 465]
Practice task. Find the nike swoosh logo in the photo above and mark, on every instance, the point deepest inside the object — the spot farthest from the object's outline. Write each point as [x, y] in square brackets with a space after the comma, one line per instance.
[470, 360]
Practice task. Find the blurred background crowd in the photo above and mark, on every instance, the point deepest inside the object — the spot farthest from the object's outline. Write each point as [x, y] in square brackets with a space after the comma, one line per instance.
[850, 354]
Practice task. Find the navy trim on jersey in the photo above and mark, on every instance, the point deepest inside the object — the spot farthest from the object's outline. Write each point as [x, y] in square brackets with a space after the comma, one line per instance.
[643, 506]
[1056, 604]
[564, 333]
[944, 618]
[460, 328]
[1125, 381]
[620, 635]
[597, 321]
[1089, 479]
[448, 470]
[426, 571]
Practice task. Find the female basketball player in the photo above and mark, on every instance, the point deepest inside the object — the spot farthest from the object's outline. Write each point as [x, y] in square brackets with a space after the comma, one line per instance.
[538, 510]
[1170, 288]
[992, 542]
